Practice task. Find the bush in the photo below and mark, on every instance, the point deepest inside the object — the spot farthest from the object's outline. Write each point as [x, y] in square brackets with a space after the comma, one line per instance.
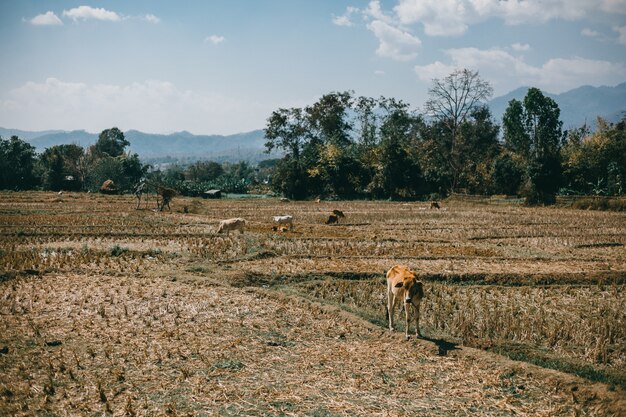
[600, 203]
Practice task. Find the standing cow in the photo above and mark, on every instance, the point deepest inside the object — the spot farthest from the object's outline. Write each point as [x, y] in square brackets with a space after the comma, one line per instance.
[231, 224]
[402, 284]
[284, 221]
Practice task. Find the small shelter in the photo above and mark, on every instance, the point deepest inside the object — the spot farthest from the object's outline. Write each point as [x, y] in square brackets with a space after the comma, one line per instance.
[212, 194]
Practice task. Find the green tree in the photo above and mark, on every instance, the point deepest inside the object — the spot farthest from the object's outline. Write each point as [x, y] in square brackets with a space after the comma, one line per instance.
[595, 163]
[111, 142]
[327, 119]
[203, 171]
[63, 167]
[533, 131]
[516, 139]
[125, 171]
[451, 101]
[398, 175]
[478, 146]
[507, 174]
[287, 129]
[17, 163]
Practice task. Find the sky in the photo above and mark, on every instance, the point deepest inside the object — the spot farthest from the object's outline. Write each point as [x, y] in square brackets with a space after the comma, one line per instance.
[222, 66]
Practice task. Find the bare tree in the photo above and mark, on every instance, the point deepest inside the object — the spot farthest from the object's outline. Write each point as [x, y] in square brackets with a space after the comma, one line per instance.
[451, 101]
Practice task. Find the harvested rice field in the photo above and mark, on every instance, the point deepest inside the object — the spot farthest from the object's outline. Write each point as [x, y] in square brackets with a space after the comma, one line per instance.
[108, 310]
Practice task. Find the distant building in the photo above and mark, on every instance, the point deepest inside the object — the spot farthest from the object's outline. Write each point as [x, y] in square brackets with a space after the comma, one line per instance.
[212, 194]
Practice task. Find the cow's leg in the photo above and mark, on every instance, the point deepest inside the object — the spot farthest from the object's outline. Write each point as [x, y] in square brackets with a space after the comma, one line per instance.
[407, 309]
[418, 333]
[391, 307]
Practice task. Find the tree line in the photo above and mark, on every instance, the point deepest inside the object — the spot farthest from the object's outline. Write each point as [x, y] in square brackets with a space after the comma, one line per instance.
[344, 146]
[347, 146]
[71, 167]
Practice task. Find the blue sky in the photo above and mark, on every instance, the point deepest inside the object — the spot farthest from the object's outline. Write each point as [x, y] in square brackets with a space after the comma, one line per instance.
[222, 66]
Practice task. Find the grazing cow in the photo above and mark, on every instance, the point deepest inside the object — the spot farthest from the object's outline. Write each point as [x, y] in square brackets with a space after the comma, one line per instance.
[332, 219]
[403, 284]
[339, 214]
[231, 224]
[284, 200]
[284, 220]
[434, 205]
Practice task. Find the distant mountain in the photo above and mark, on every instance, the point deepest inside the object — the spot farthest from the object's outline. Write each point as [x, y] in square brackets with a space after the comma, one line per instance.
[580, 105]
[23, 134]
[249, 146]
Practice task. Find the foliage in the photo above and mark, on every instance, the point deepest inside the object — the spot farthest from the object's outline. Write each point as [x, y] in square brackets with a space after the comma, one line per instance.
[452, 100]
[343, 146]
[532, 130]
[110, 142]
[596, 163]
[63, 167]
[507, 174]
[17, 161]
[125, 171]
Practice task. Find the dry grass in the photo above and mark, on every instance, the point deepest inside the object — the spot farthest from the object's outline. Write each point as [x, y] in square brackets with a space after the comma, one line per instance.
[105, 309]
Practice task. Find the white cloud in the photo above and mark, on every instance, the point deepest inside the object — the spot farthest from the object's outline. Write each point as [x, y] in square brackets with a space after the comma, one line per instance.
[614, 6]
[453, 17]
[87, 12]
[621, 30]
[394, 42]
[215, 39]
[346, 18]
[521, 47]
[46, 19]
[374, 11]
[379, 72]
[506, 71]
[590, 33]
[151, 18]
[150, 106]
[439, 17]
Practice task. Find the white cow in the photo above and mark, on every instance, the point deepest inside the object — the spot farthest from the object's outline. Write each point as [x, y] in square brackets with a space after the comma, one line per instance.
[231, 224]
[284, 220]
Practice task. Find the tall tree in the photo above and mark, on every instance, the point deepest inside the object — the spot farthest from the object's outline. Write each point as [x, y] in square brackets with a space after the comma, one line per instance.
[61, 162]
[516, 139]
[111, 142]
[451, 100]
[17, 161]
[533, 131]
[478, 147]
[287, 129]
[398, 175]
[327, 118]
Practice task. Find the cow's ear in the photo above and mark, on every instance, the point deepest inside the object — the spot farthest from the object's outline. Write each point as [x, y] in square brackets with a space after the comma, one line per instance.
[398, 285]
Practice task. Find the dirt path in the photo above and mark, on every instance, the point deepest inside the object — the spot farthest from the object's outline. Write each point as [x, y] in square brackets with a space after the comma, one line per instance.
[123, 345]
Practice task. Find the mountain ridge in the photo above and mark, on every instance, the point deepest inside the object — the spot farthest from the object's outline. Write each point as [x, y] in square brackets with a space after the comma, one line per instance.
[578, 106]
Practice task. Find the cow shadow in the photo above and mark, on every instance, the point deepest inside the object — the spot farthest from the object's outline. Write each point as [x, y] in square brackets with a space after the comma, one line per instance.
[443, 346]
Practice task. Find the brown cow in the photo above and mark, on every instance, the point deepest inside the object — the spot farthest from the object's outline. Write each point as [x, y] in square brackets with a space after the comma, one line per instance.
[403, 284]
[231, 224]
[434, 205]
[332, 219]
[339, 214]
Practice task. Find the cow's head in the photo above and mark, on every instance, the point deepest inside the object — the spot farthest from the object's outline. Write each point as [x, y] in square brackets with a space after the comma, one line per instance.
[414, 289]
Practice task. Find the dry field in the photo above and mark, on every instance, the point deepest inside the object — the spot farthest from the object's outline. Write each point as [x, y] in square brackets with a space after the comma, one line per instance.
[107, 310]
